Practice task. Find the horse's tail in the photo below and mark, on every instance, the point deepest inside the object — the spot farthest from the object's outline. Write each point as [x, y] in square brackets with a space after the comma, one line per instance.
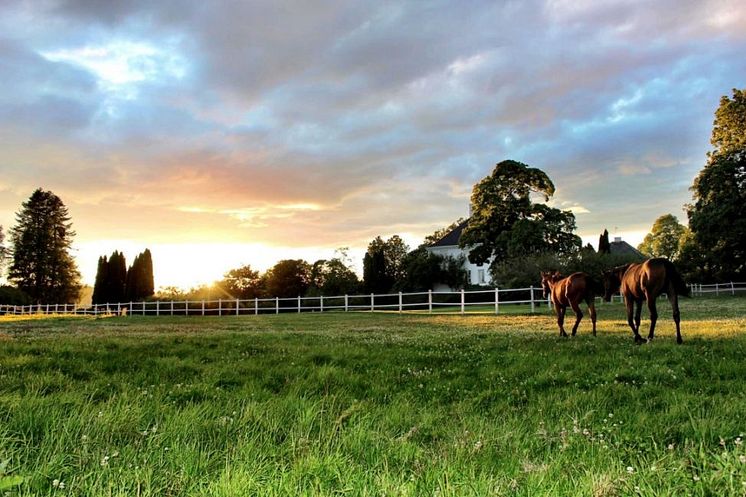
[675, 279]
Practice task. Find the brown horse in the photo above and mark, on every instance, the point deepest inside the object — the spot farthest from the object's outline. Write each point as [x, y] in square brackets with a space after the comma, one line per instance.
[571, 291]
[646, 281]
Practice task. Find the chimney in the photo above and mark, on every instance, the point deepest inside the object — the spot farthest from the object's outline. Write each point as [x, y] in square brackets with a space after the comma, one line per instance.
[617, 239]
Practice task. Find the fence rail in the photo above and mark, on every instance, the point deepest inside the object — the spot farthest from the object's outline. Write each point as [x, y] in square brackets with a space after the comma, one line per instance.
[426, 302]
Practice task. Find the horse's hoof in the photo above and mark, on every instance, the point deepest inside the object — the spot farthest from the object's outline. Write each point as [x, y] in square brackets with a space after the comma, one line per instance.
[639, 340]
[679, 341]
[650, 338]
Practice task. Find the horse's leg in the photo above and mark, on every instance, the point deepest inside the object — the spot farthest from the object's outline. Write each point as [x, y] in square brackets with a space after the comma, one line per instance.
[592, 311]
[630, 303]
[638, 314]
[578, 315]
[561, 318]
[674, 299]
[653, 315]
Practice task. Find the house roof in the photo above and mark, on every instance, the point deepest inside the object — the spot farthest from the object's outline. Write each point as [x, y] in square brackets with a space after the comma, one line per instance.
[620, 247]
[452, 237]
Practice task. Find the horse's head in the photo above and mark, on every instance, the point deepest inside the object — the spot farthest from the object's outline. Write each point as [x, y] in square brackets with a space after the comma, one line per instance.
[548, 278]
[612, 282]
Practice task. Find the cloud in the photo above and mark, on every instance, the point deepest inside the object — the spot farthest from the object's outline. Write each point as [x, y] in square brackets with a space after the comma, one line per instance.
[327, 124]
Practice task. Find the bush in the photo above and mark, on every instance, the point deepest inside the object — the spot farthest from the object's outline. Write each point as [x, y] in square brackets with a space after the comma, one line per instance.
[10, 295]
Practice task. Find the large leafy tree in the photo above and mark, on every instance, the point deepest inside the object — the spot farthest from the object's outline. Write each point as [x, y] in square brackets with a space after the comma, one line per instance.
[383, 263]
[42, 265]
[243, 283]
[507, 223]
[288, 278]
[717, 217]
[334, 276]
[665, 238]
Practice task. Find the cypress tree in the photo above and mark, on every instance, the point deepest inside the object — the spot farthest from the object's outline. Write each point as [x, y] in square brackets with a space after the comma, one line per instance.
[102, 277]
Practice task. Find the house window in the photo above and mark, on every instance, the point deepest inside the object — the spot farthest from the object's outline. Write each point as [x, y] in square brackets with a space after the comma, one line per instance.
[468, 276]
[480, 273]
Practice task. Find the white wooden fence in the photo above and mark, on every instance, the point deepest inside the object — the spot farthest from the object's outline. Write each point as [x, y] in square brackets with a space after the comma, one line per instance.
[426, 302]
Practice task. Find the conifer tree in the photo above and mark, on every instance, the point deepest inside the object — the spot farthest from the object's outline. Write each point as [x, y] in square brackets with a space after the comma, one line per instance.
[42, 265]
[102, 277]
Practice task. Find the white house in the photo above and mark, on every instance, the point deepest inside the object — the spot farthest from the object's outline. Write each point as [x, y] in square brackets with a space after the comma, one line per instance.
[476, 274]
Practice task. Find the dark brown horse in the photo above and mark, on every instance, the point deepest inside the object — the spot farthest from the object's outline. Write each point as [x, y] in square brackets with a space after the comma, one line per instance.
[646, 281]
[570, 292]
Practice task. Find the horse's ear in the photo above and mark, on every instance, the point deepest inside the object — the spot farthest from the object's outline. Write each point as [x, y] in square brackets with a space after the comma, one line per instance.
[557, 274]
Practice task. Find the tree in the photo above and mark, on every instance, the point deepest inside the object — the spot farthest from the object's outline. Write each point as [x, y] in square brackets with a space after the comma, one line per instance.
[423, 269]
[604, 247]
[42, 265]
[116, 281]
[2, 250]
[139, 284]
[717, 218]
[729, 127]
[505, 222]
[333, 277]
[383, 263]
[288, 278]
[100, 287]
[242, 283]
[664, 239]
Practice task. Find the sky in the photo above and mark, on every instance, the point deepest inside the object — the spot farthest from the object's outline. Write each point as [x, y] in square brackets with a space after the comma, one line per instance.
[225, 133]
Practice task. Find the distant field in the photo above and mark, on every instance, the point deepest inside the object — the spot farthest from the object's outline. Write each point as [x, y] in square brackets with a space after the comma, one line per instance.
[374, 404]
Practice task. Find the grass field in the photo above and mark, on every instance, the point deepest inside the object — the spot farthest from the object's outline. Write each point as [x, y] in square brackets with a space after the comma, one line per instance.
[374, 404]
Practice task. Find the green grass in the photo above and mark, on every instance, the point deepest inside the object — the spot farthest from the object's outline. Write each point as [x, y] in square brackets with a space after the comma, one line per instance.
[374, 404]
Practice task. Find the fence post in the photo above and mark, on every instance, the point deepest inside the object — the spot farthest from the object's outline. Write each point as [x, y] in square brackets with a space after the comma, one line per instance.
[157, 307]
[298, 304]
[732, 289]
[533, 308]
[220, 307]
[277, 305]
[47, 311]
[430, 301]
[717, 289]
[346, 302]
[372, 302]
[497, 301]
[237, 306]
[321, 303]
[129, 312]
[400, 303]
[462, 301]
[256, 306]
[186, 307]
[203, 307]
[172, 307]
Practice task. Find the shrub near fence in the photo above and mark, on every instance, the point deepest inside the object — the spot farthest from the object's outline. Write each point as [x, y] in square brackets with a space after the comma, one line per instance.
[488, 300]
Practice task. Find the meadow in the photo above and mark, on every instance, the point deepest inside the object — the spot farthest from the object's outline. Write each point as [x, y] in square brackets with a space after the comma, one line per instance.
[366, 404]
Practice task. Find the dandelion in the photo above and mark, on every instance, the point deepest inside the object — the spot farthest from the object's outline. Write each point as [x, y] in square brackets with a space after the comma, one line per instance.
[630, 469]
